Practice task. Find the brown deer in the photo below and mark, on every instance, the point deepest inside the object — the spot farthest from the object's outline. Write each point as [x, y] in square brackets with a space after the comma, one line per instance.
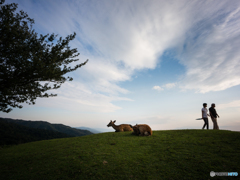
[121, 127]
[142, 130]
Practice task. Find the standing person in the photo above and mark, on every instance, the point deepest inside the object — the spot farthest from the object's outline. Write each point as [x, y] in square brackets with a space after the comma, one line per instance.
[205, 115]
[214, 115]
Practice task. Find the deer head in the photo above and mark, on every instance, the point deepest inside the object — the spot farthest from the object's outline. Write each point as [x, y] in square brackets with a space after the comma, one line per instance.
[111, 123]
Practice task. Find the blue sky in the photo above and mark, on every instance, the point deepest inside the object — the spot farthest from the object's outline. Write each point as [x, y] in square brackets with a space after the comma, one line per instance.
[153, 62]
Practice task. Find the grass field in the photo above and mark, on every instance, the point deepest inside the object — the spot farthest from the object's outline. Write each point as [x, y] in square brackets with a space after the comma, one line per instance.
[170, 154]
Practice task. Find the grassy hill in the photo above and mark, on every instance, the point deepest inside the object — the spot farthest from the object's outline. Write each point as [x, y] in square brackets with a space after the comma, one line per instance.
[173, 154]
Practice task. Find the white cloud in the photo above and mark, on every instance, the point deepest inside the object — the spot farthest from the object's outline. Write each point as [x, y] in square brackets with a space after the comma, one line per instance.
[233, 104]
[75, 96]
[170, 85]
[158, 88]
[211, 53]
[117, 41]
[133, 33]
[120, 37]
[167, 86]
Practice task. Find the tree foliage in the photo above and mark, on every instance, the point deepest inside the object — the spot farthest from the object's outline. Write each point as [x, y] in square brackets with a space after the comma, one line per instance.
[30, 64]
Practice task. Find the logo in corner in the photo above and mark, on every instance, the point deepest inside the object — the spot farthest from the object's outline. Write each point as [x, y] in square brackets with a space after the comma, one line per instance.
[212, 173]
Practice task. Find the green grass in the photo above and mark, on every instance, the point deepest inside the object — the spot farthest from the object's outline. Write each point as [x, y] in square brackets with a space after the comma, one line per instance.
[173, 154]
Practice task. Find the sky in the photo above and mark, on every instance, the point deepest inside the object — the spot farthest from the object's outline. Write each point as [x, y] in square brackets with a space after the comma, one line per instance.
[150, 62]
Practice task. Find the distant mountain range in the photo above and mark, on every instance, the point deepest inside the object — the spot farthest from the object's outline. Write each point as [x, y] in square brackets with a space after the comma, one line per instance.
[21, 131]
[89, 129]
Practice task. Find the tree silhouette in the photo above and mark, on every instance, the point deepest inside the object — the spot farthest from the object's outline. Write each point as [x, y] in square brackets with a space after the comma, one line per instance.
[30, 64]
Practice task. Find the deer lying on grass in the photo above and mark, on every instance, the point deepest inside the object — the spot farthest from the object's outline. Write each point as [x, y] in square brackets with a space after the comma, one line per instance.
[121, 127]
[142, 130]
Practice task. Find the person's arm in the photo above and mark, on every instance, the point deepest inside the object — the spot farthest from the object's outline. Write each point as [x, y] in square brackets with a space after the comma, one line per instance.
[210, 113]
[202, 114]
[217, 115]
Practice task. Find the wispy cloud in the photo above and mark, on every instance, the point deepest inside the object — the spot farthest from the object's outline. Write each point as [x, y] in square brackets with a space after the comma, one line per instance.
[211, 50]
[170, 85]
[76, 96]
[165, 86]
[122, 37]
[233, 104]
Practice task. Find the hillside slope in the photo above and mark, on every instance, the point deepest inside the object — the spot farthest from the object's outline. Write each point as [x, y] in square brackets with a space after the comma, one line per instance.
[175, 154]
[13, 133]
[48, 126]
